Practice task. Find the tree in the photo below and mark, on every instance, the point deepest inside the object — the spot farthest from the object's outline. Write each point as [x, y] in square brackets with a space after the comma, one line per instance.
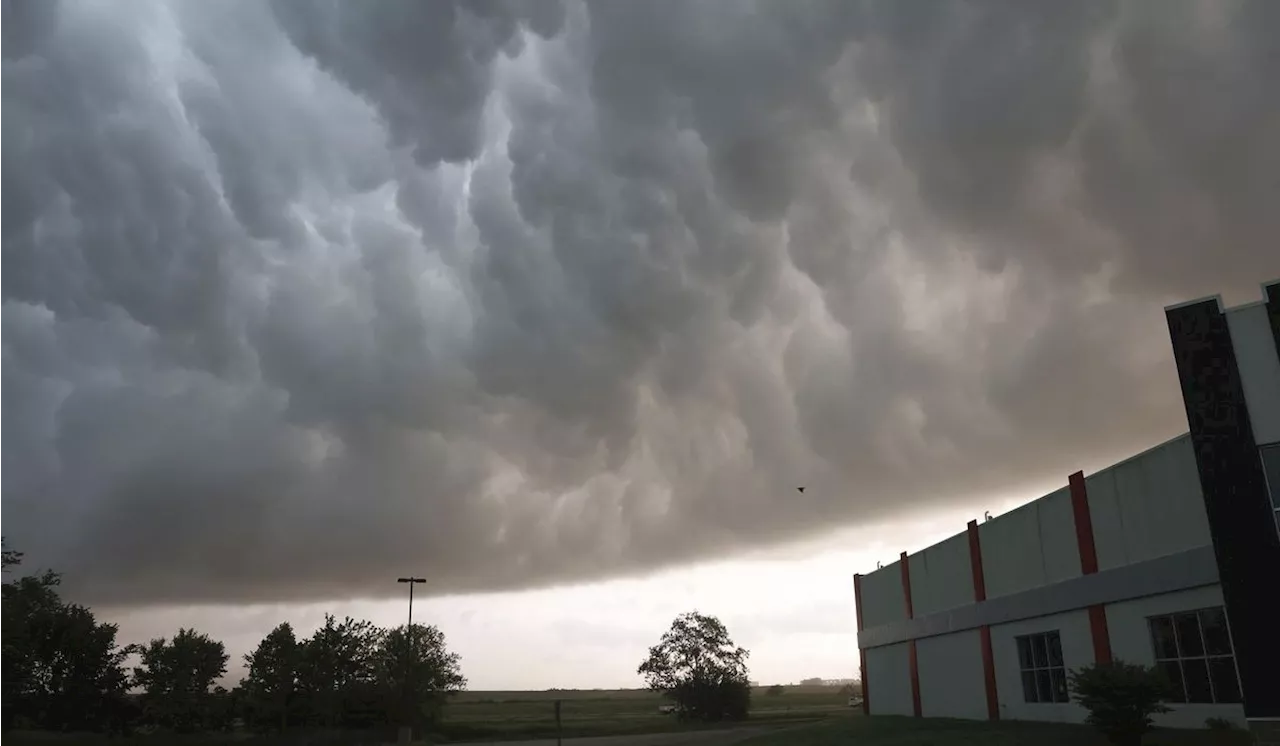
[777, 690]
[269, 687]
[337, 676]
[700, 668]
[176, 678]
[421, 681]
[1121, 698]
[62, 670]
[77, 669]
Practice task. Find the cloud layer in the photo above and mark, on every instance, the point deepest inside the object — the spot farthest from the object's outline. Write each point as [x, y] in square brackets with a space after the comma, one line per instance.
[299, 296]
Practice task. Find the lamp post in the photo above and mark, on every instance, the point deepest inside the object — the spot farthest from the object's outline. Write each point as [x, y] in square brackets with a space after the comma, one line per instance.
[406, 731]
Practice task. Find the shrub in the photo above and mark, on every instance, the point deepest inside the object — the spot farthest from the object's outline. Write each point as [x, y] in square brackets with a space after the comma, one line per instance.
[1121, 698]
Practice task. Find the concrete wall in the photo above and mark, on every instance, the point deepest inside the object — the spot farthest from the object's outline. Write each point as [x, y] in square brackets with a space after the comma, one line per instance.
[1259, 365]
[1131, 641]
[1148, 506]
[889, 674]
[942, 576]
[882, 597]
[1030, 546]
[951, 683]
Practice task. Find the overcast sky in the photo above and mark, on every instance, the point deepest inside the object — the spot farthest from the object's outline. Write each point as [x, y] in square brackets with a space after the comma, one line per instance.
[300, 296]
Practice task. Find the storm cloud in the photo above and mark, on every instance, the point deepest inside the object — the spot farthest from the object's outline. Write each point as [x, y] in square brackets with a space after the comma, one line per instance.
[299, 296]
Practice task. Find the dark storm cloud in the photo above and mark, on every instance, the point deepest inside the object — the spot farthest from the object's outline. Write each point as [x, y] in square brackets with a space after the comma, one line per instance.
[300, 296]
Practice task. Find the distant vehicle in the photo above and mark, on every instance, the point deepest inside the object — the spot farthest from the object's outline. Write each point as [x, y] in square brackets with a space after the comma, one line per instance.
[667, 709]
[855, 701]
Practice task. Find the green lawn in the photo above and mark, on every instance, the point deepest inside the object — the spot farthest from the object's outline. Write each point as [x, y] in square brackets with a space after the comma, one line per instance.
[887, 730]
[498, 716]
[494, 715]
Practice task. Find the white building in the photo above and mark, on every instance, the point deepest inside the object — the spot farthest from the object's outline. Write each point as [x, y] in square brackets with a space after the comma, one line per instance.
[1168, 558]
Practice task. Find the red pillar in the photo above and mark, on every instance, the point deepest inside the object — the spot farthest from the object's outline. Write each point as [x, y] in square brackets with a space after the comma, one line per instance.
[1089, 564]
[984, 632]
[911, 644]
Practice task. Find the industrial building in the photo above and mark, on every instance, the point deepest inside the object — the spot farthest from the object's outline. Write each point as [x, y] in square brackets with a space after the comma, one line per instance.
[1169, 558]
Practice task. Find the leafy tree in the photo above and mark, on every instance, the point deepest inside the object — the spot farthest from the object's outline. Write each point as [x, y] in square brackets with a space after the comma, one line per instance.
[421, 681]
[337, 674]
[177, 677]
[1121, 698]
[78, 668]
[269, 688]
[62, 670]
[697, 665]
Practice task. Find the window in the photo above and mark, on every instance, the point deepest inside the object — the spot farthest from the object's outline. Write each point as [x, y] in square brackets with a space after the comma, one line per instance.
[1044, 677]
[1193, 649]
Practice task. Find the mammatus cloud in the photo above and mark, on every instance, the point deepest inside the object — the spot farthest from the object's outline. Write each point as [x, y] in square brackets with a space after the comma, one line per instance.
[299, 296]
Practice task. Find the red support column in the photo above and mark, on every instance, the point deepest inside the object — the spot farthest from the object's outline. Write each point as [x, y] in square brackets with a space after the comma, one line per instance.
[862, 654]
[984, 632]
[911, 644]
[1089, 564]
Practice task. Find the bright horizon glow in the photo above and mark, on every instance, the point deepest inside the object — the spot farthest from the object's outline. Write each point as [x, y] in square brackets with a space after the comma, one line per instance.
[792, 606]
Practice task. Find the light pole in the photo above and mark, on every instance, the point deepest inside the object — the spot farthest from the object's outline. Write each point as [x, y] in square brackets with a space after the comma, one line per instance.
[406, 732]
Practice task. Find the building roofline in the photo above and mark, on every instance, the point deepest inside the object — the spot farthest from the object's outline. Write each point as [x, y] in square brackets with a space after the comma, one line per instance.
[1216, 298]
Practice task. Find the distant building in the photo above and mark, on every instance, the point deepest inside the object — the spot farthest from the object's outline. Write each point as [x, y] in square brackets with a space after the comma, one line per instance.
[1169, 558]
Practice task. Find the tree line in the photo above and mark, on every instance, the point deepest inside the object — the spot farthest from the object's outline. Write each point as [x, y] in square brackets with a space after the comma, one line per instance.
[65, 671]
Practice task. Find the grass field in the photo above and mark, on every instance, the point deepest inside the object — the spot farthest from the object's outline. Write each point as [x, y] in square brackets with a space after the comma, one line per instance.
[904, 731]
[485, 715]
[498, 716]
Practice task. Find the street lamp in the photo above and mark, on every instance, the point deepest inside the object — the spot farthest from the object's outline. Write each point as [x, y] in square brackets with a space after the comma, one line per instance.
[406, 733]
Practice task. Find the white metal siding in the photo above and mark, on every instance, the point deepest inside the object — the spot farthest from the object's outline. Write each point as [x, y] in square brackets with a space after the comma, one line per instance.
[1259, 365]
[951, 682]
[1131, 642]
[882, 598]
[942, 576]
[1148, 506]
[889, 679]
[1030, 546]
[1077, 650]
[1060, 549]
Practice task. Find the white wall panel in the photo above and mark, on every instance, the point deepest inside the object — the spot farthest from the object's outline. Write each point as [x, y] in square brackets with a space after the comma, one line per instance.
[942, 576]
[1255, 349]
[889, 677]
[1148, 506]
[882, 597]
[951, 682]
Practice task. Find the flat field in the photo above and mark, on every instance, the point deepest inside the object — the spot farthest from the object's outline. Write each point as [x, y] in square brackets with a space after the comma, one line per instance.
[492, 715]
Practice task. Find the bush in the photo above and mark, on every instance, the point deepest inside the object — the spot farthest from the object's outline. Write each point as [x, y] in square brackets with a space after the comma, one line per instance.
[1121, 698]
[776, 690]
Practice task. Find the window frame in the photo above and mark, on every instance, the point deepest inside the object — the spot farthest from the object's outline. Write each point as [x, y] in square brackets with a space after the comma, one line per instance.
[1183, 656]
[1057, 689]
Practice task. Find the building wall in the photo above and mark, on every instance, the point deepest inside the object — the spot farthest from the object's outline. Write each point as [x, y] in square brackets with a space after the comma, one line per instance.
[941, 576]
[1148, 506]
[1131, 642]
[1077, 650]
[882, 597]
[1259, 365]
[890, 680]
[951, 682]
[1030, 546]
